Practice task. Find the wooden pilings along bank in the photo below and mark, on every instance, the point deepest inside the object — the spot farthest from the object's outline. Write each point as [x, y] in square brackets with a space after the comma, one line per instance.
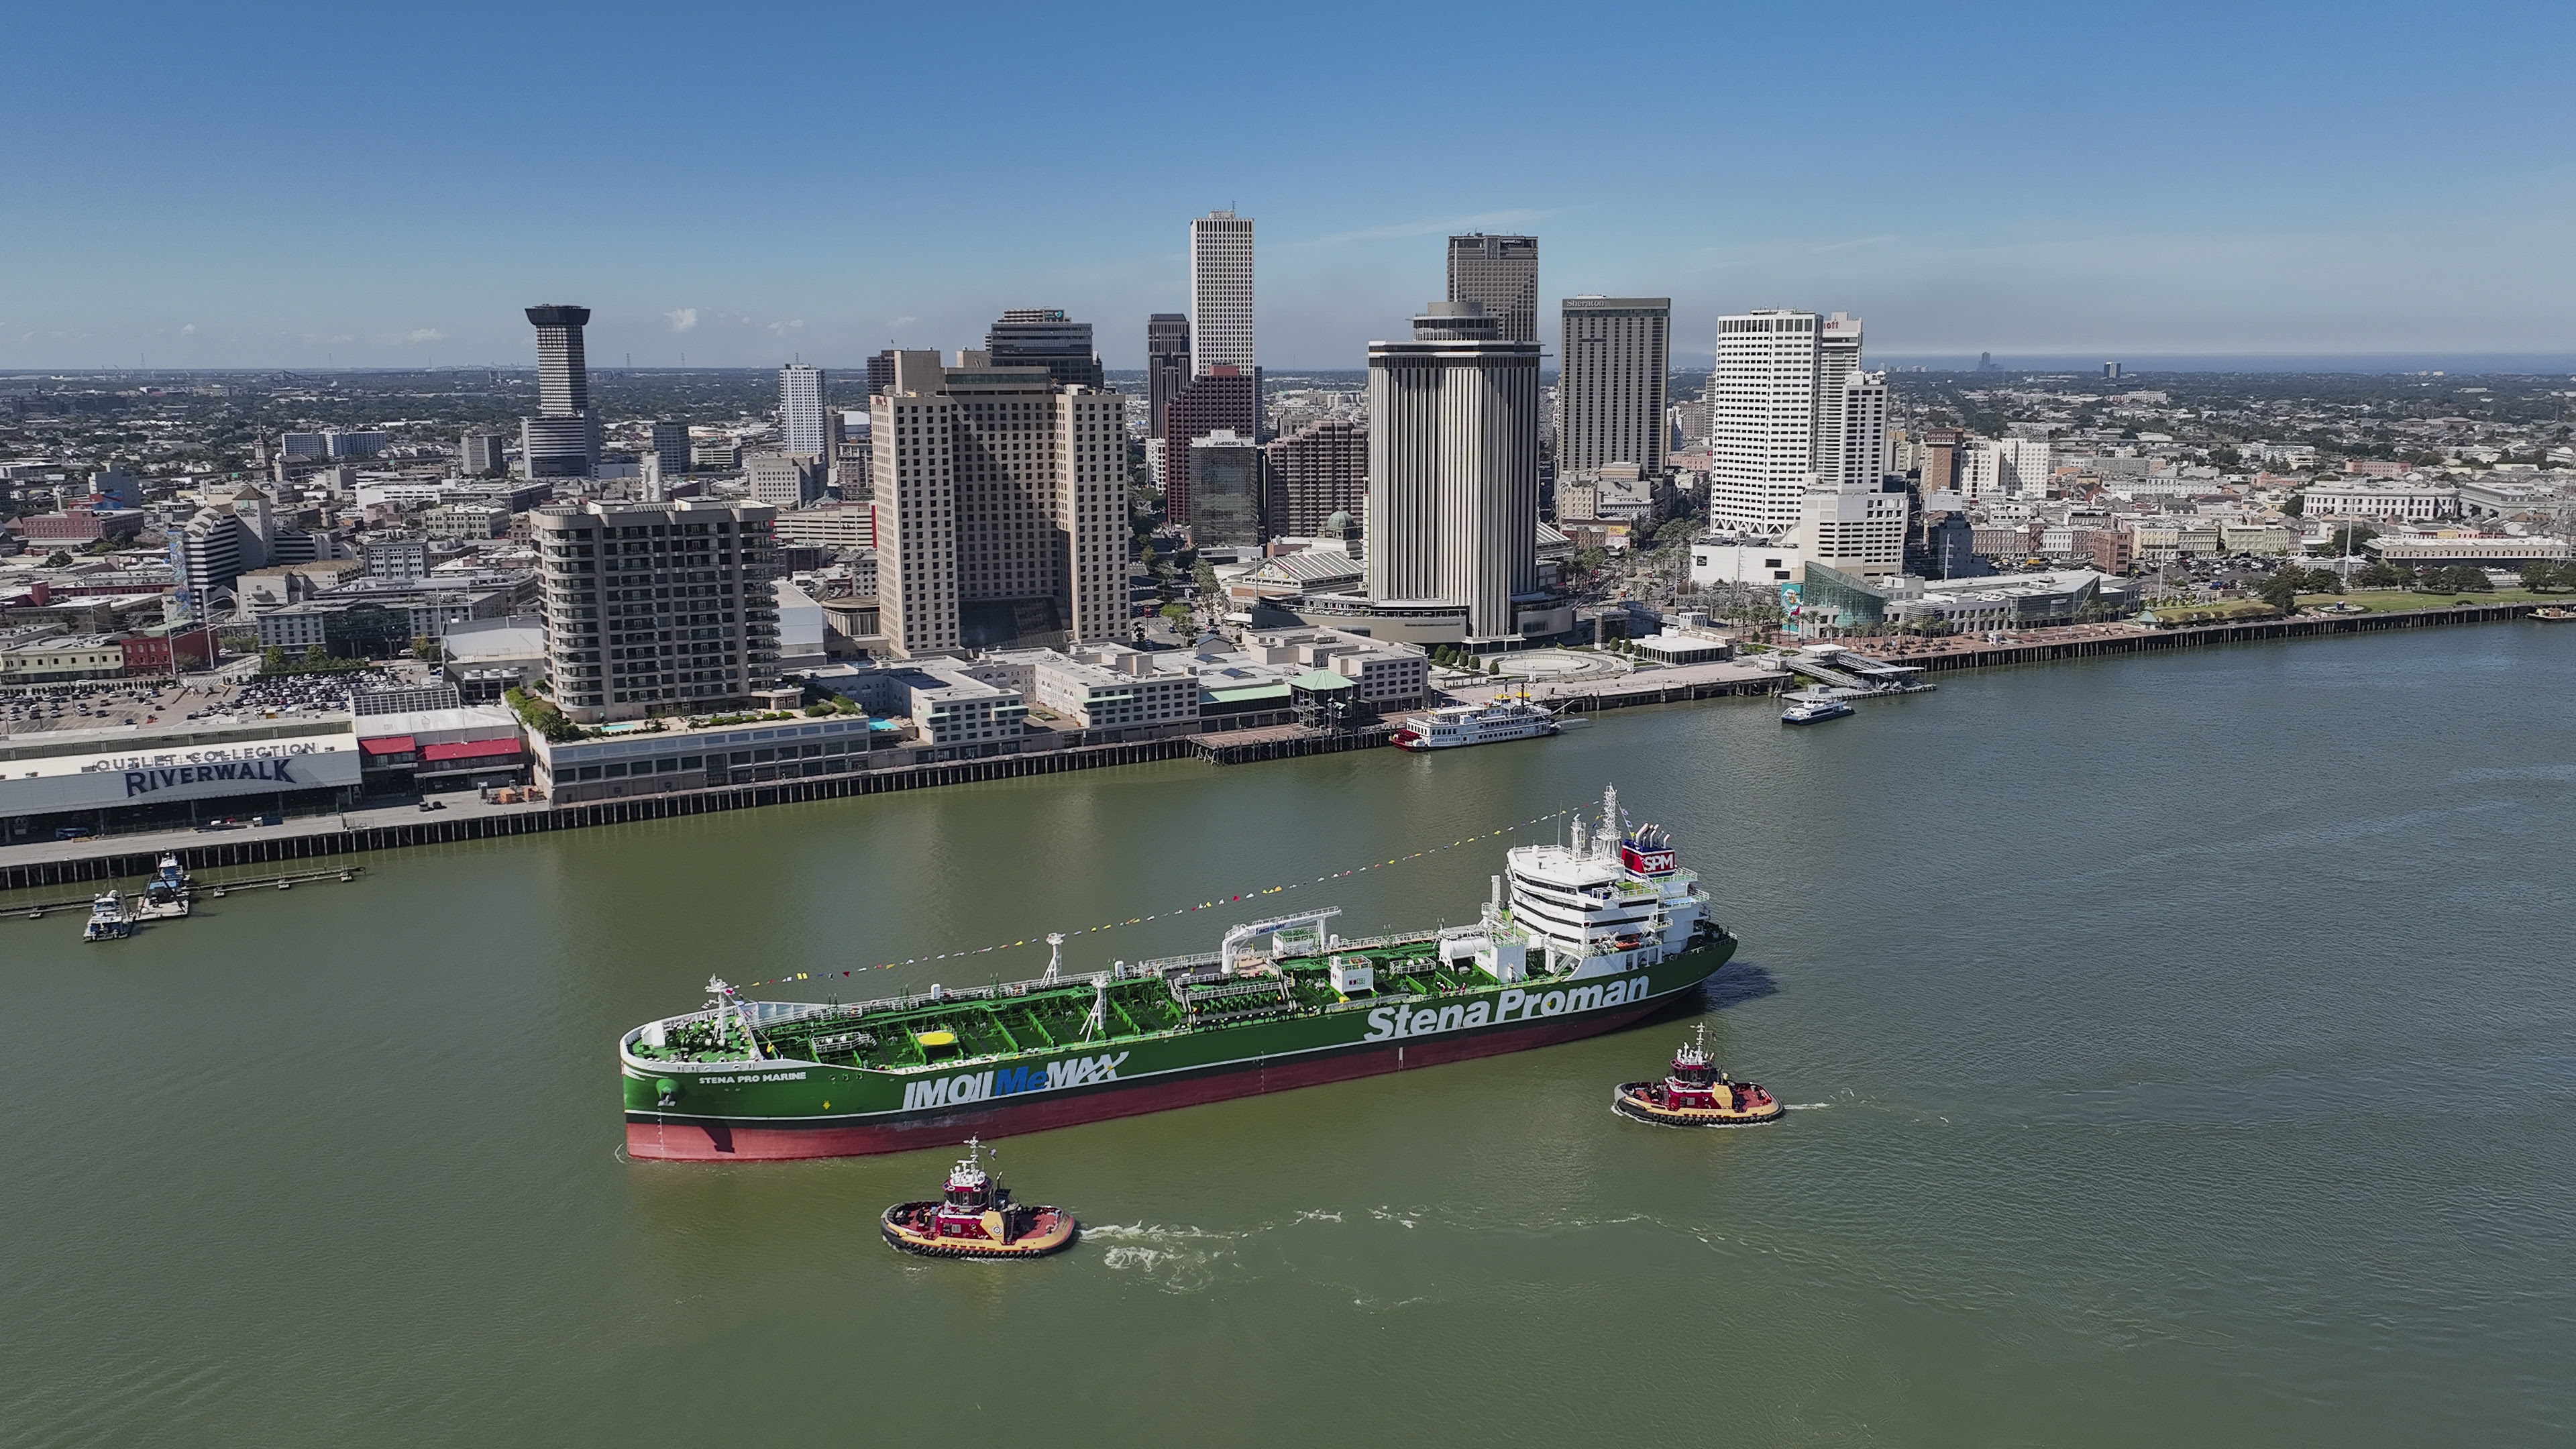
[1289, 746]
[1641, 689]
[2146, 641]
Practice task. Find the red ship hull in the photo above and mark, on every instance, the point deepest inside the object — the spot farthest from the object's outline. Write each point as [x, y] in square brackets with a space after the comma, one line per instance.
[701, 1142]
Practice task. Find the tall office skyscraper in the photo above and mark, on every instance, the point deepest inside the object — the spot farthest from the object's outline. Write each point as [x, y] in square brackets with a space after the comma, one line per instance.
[656, 605]
[1776, 419]
[1167, 365]
[1221, 292]
[1229, 491]
[803, 425]
[1453, 467]
[1501, 272]
[1321, 469]
[1045, 337]
[563, 370]
[670, 446]
[1001, 506]
[1226, 399]
[562, 440]
[478, 454]
[881, 372]
[1848, 519]
[1610, 387]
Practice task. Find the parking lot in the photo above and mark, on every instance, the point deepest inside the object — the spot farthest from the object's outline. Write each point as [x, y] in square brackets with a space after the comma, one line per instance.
[236, 692]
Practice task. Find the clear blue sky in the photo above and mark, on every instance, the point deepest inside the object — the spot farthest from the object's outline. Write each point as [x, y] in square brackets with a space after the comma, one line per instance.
[277, 185]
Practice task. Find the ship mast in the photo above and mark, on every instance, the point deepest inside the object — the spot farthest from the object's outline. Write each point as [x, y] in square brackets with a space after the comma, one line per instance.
[1098, 1020]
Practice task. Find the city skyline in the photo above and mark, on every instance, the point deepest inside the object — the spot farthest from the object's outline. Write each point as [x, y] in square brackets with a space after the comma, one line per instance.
[2058, 217]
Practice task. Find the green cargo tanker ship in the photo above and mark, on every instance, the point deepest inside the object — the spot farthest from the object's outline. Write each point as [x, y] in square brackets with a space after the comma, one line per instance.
[1578, 938]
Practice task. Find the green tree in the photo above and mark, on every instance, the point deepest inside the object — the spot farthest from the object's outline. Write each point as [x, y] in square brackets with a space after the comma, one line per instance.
[2539, 573]
[2349, 538]
[2281, 590]
[2463, 579]
[2324, 581]
[2377, 575]
[2295, 504]
[1179, 614]
[58, 560]
[316, 657]
[272, 660]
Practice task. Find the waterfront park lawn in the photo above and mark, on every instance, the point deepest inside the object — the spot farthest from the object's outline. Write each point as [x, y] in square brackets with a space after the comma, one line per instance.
[2381, 601]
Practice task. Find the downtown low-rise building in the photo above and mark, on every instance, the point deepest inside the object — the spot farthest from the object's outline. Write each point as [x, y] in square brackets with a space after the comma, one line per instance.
[61, 660]
[2397, 498]
[679, 757]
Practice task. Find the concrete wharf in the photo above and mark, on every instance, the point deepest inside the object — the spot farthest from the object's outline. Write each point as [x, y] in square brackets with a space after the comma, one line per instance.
[41, 865]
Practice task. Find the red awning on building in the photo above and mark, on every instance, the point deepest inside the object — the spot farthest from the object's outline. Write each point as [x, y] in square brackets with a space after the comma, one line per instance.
[471, 750]
[388, 745]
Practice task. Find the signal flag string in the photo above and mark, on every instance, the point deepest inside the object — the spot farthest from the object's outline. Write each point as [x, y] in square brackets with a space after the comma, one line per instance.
[1182, 910]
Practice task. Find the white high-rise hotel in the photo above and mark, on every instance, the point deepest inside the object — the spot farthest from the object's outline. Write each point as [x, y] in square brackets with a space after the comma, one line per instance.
[803, 425]
[1220, 292]
[1798, 437]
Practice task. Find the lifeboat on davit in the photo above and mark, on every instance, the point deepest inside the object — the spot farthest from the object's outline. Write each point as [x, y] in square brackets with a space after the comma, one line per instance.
[1697, 1094]
[974, 1217]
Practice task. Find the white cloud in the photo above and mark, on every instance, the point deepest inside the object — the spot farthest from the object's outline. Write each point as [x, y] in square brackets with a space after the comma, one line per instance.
[682, 318]
[424, 334]
[783, 328]
[188, 331]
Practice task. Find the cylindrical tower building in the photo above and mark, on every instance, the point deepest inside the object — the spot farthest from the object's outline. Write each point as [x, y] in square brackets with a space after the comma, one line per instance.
[1453, 468]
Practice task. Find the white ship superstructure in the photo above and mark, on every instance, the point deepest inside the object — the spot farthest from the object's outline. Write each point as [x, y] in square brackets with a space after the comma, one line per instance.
[1609, 900]
[1456, 725]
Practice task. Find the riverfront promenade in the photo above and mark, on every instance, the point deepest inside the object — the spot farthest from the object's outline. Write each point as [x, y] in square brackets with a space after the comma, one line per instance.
[37, 865]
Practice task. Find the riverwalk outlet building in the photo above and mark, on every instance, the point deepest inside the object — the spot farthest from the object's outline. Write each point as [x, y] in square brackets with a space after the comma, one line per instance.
[433, 750]
[159, 777]
[642, 760]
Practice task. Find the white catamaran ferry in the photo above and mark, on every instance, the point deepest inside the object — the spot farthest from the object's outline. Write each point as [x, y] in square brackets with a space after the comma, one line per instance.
[1457, 725]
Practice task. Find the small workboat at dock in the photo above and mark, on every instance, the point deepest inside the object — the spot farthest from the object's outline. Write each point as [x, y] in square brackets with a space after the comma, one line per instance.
[107, 919]
[1697, 1094]
[166, 895]
[974, 1217]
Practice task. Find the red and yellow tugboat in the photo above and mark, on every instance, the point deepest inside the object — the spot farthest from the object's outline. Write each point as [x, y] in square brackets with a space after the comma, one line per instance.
[975, 1218]
[1697, 1094]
